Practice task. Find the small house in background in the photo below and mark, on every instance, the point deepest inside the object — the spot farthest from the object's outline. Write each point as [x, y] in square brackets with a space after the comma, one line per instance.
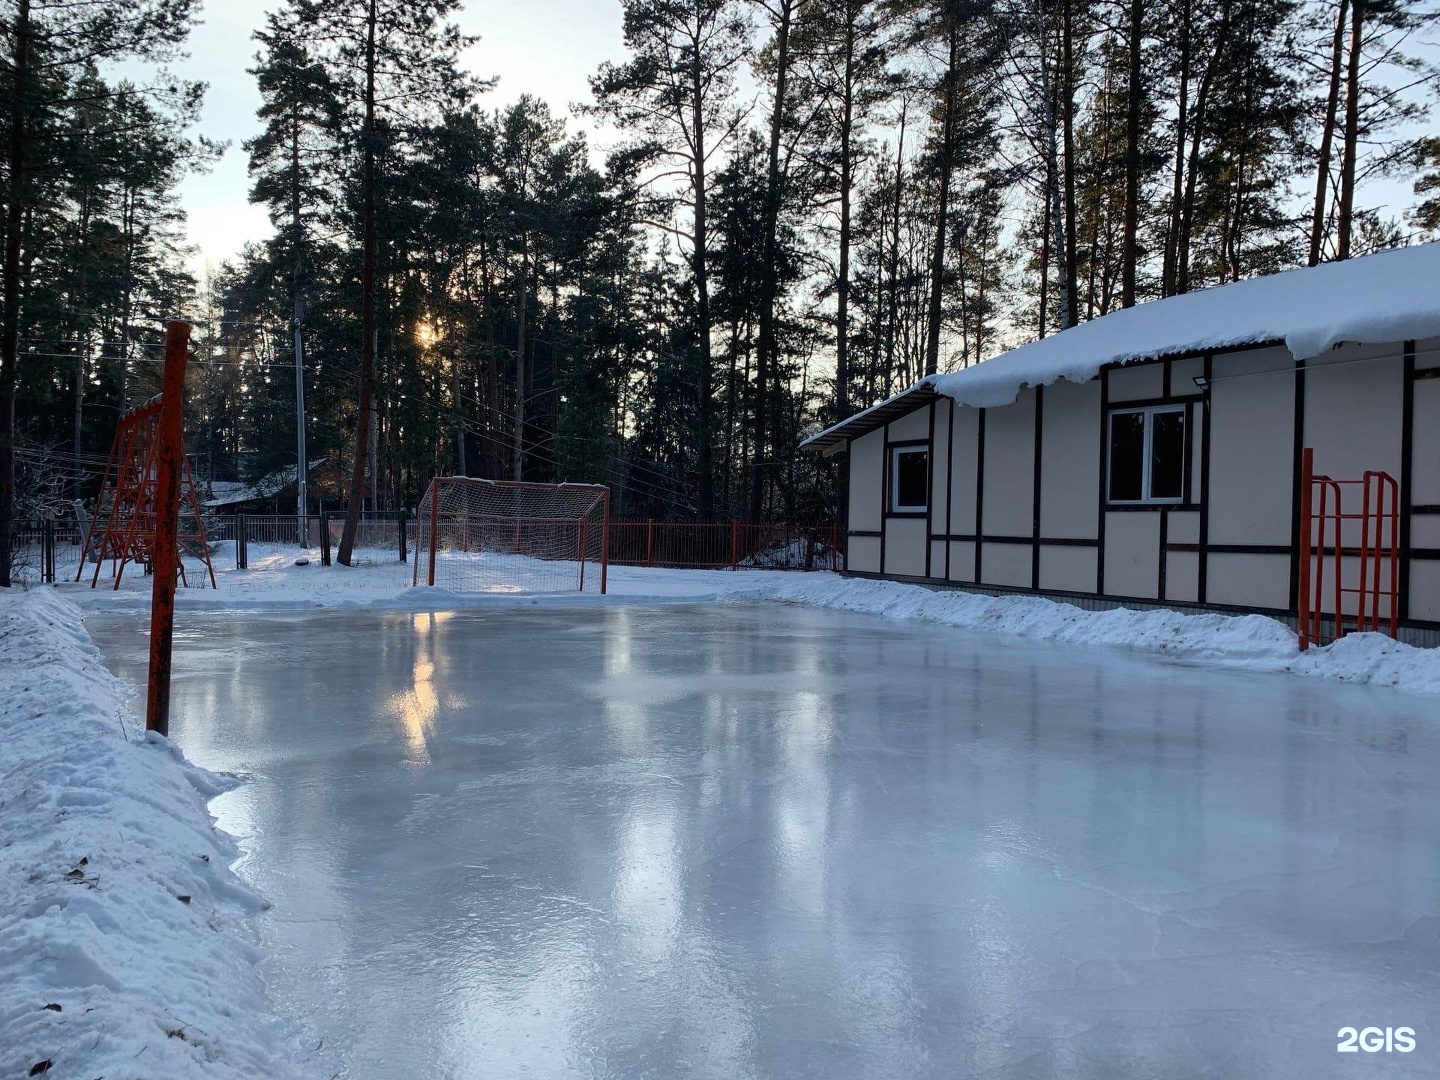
[1157, 454]
[273, 493]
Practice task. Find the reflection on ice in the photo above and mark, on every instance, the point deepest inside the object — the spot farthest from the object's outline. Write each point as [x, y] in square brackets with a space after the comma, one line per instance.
[758, 842]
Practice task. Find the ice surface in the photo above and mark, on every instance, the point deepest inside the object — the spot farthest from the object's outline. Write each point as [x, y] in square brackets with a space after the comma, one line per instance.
[774, 841]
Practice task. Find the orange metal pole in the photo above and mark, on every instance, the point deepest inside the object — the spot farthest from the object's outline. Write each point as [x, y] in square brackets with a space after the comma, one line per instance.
[1339, 562]
[581, 554]
[605, 544]
[1394, 486]
[166, 555]
[1362, 599]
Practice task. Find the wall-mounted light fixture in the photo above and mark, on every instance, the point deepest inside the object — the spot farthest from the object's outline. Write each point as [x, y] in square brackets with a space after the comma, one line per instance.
[1202, 382]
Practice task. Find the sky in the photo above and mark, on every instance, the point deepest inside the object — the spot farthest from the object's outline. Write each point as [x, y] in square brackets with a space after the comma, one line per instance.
[547, 48]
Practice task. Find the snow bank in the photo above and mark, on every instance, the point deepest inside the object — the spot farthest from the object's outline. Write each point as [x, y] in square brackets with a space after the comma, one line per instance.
[1255, 642]
[123, 946]
[1251, 641]
[1389, 296]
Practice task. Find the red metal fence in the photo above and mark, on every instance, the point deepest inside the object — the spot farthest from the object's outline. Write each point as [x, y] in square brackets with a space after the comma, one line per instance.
[724, 545]
[1339, 546]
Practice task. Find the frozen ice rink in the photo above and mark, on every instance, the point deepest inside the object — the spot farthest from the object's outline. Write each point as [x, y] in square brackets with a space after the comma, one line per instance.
[766, 841]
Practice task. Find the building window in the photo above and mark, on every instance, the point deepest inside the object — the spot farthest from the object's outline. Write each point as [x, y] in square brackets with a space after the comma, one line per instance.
[1147, 455]
[909, 479]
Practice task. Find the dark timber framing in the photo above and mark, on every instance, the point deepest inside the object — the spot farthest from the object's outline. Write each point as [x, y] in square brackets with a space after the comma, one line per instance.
[1175, 390]
[1407, 471]
[1298, 443]
[1036, 489]
[1202, 568]
[949, 480]
[979, 493]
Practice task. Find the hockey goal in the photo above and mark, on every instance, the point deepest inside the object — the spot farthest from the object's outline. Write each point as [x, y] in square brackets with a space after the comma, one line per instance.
[496, 536]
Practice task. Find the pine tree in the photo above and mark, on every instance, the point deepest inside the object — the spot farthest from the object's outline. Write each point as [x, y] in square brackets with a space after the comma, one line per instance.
[674, 94]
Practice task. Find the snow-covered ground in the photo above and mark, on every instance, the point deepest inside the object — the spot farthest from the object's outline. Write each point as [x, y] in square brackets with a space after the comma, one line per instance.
[380, 580]
[124, 949]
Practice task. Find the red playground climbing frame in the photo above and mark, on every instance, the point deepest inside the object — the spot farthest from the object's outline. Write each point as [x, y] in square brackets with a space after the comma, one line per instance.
[123, 528]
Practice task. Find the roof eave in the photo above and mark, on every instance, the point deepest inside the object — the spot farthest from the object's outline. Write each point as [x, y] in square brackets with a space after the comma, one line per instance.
[836, 436]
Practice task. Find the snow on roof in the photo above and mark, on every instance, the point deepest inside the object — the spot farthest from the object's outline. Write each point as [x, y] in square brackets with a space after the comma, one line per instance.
[1389, 296]
[231, 493]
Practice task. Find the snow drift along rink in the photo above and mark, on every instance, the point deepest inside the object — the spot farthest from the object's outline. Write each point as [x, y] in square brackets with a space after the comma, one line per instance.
[1254, 642]
[123, 946]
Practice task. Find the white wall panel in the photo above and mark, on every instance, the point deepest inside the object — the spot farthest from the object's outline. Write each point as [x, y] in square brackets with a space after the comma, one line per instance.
[905, 546]
[1070, 461]
[1010, 468]
[867, 478]
[1252, 447]
[1067, 568]
[1132, 554]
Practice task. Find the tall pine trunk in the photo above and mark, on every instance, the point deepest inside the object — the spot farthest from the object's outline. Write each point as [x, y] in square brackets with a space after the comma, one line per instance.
[367, 306]
[1054, 226]
[702, 303]
[765, 343]
[847, 169]
[1327, 136]
[1130, 250]
[1352, 132]
[10, 337]
[942, 213]
[1170, 275]
[1067, 109]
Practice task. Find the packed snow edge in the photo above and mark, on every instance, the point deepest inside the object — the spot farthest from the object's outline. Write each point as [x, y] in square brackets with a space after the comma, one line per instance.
[124, 944]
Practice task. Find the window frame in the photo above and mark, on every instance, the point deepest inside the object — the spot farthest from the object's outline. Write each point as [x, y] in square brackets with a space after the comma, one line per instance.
[893, 504]
[1147, 453]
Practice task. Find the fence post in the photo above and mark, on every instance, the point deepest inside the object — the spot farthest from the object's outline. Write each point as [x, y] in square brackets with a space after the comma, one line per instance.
[242, 556]
[169, 461]
[605, 544]
[650, 542]
[404, 556]
[581, 553]
[324, 539]
[735, 545]
[47, 552]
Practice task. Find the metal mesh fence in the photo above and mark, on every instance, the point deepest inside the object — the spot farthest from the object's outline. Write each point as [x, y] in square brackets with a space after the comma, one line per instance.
[484, 536]
[735, 545]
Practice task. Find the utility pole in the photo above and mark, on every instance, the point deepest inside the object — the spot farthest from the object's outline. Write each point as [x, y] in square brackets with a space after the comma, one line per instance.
[302, 463]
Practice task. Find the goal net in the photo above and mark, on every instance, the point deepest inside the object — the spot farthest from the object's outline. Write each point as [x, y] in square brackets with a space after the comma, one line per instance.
[496, 536]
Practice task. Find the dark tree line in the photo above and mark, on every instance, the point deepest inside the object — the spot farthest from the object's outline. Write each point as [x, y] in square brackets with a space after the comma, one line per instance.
[803, 206]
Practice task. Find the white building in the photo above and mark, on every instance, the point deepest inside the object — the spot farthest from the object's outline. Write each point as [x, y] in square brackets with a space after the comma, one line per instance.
[1155, 454]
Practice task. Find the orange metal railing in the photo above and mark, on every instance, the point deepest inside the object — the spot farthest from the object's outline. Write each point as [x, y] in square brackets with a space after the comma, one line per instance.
[1330, 560]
